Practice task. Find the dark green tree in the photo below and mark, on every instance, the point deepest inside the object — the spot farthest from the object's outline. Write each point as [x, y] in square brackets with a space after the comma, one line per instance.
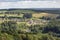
[27, 15]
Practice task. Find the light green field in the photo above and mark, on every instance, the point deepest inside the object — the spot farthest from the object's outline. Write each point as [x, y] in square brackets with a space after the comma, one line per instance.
[37, 15]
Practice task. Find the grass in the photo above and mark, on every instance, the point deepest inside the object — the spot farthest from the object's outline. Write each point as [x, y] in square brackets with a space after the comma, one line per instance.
[15, 15]
[37, 15]
[1, 14]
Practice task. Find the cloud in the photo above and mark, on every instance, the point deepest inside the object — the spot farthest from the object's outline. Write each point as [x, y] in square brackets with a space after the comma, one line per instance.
[30, 4]
[25, 0]
[9, 0]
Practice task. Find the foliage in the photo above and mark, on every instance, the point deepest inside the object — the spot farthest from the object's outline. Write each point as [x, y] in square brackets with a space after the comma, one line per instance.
[27, 15]
[9, 31]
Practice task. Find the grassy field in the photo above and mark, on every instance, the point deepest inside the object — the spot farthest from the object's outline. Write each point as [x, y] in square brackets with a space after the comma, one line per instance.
[37, 15]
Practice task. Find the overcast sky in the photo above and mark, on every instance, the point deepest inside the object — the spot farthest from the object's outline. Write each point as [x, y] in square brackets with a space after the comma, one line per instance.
[29, 4]
[24, 0]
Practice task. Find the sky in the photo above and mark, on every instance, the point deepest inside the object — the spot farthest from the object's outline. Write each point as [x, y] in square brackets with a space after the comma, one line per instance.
[24, 0]
[5, 4]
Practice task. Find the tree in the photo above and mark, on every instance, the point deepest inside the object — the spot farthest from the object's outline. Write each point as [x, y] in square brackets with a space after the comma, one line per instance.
[9, 27]
[4, 27]
[51, 26]
[44, 37]
[5, 17]
[27, 15]
[35, 28]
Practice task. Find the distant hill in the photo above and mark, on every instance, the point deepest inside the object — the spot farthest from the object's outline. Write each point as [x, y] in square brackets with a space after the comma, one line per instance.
[48, 10]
